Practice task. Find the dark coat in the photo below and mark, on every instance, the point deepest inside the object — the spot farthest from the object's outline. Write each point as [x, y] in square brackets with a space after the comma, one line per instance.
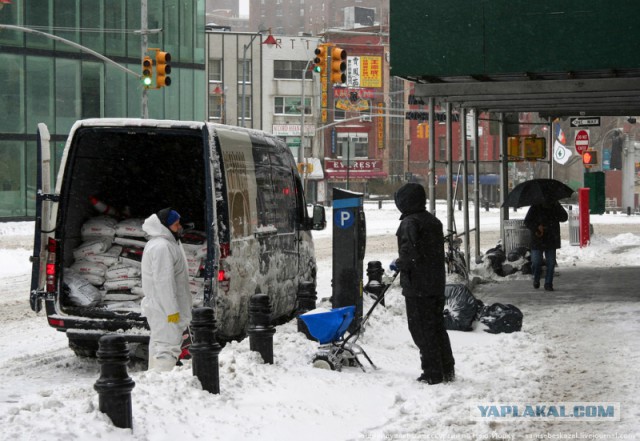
[544, 223]
[420, 245]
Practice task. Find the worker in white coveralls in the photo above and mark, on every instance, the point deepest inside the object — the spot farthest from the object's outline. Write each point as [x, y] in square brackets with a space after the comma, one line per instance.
[167, 300]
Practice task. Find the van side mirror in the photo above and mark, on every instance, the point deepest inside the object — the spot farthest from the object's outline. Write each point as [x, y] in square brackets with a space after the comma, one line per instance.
[319, 220]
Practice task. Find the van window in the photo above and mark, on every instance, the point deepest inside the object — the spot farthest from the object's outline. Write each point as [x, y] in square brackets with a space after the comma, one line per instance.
[276, 191]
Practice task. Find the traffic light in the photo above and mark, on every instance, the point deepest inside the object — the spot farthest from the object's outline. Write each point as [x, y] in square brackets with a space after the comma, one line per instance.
[320, 60]
[338, 65]
[590, 158]
[163, 69]
[147, 72]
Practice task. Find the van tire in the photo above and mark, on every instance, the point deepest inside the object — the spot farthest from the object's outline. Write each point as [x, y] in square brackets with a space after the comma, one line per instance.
[83, 347]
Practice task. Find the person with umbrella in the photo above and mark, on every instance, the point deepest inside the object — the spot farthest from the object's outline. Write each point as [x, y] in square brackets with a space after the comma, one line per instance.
[543, 220]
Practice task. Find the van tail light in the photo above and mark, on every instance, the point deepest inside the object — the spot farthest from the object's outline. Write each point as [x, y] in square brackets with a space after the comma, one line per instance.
[52, 276]
[223, 274]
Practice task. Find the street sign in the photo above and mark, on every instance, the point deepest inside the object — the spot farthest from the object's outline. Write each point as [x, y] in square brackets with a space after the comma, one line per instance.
[587, 121]
[582, 141]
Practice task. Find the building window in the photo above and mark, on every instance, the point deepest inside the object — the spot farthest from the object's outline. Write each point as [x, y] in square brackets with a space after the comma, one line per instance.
[215, 107]
[247, 108]
[359, 143]
[290, 105]
[290, 70]
[246, 66]
[442, 149]
[215, 71]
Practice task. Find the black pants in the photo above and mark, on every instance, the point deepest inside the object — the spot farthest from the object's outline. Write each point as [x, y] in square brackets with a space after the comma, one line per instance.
[426, 324]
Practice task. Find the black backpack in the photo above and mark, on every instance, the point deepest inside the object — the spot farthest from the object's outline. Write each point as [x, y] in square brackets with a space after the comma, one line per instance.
[501, 318]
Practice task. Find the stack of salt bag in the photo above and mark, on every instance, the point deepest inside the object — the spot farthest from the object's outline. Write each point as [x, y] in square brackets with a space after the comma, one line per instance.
[96, 253]
[194, 244]
[123, 284]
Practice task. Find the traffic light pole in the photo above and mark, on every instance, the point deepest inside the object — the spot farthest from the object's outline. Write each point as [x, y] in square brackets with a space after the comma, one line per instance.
[144, 23]
[73, 44]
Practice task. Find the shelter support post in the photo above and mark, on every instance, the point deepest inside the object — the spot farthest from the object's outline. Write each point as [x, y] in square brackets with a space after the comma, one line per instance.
[432, 158]
[465, 182]
[504, 175]
[449, 145]
[476, 183]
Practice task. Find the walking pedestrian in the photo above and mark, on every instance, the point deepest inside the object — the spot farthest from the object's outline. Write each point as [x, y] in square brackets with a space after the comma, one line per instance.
[543, 220]
[167, 300]
[423, 278]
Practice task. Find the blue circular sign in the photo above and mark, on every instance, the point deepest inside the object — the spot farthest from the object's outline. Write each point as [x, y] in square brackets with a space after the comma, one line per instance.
[343, 218]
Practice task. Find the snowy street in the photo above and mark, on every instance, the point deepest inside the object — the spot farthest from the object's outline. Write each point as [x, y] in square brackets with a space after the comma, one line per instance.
[580, 343]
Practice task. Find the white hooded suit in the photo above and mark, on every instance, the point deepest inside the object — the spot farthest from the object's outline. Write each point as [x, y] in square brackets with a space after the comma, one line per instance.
[165, 284]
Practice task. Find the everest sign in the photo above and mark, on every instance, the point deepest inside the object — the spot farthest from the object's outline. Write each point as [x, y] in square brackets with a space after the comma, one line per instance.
[582, 141]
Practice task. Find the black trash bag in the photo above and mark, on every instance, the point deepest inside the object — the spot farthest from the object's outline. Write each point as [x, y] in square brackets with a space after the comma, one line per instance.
[526, 268]
[496, 258]
[460, 307]
[517, 254]
[501, 318]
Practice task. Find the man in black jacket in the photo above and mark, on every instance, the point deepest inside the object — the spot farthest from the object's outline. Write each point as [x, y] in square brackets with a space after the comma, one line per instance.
[423, 278]
[543, 220]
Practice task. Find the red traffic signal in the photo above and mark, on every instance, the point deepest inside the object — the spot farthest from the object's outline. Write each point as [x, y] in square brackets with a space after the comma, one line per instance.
[590, 158]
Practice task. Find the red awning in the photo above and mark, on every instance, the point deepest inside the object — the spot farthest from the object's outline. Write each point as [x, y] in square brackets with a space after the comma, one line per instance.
[355, 174]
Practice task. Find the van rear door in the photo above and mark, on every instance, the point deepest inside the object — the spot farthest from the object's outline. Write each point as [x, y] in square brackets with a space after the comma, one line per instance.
[46, 204]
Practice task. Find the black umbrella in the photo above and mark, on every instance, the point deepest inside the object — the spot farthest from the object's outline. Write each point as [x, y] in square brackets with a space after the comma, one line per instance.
[537, 191]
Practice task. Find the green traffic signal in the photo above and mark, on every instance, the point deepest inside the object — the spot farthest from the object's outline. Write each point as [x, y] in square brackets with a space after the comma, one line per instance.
[146, 81]
[317, 69]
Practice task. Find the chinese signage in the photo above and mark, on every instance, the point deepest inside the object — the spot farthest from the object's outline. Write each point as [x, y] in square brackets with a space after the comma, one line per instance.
[380, 125]
[365, 71]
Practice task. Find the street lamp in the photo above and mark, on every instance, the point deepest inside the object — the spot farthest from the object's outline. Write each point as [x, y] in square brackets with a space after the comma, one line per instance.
[269, 41]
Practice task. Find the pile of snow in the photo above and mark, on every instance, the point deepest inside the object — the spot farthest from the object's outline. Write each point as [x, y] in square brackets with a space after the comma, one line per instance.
[47, 392]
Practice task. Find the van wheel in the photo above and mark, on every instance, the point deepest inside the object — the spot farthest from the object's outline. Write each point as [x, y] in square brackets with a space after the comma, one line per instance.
[83, 348]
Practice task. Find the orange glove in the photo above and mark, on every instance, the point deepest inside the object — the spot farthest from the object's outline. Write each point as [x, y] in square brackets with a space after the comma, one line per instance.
[173, 318]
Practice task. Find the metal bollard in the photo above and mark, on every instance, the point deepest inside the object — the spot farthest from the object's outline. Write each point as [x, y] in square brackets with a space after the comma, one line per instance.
[380, 204]
[205, 350]
[306, 302]
[374, 285]
[260, 330]
[486, 206]
[306, 297]
[114, 385]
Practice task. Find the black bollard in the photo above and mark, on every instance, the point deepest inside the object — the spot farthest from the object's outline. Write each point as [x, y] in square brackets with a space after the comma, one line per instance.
[306, 302]
[205, 350]
[486, 206]
[374, 285]
[260, 329]
[114, 385]
[380, 204]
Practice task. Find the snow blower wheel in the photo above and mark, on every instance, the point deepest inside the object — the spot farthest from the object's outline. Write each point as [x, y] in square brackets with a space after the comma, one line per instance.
[326, 361]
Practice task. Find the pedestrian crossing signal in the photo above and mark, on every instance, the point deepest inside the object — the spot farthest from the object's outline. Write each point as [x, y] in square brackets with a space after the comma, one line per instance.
[590, 158]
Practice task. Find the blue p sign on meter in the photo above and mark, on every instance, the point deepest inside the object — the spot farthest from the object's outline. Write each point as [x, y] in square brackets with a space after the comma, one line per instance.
[344, 218]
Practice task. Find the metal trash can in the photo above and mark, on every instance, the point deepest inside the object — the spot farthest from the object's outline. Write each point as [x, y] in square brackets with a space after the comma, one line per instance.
[515, 235]
[574, 226]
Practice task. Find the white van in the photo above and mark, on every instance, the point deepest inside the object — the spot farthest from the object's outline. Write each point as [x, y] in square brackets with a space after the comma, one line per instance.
[238, 187]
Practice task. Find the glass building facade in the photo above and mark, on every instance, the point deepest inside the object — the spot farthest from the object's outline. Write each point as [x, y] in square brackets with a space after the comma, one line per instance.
[43, 80]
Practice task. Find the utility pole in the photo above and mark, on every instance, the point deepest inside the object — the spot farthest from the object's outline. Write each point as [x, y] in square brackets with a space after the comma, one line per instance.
[144, 24]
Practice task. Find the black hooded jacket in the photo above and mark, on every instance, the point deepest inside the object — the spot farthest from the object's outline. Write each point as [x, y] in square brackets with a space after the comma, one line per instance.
[420, 245]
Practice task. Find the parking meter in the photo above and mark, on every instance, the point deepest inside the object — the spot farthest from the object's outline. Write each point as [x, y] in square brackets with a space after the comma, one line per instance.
[349, 244]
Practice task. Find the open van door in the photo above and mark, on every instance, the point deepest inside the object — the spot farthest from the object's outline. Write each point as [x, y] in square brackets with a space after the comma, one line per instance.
[44, 209]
